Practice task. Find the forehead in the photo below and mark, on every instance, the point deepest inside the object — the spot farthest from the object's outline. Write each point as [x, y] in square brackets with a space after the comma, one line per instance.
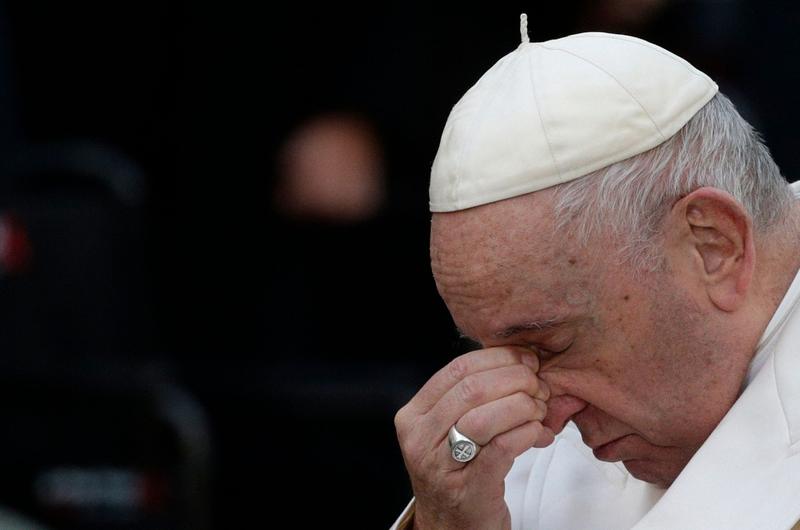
[501, 262]
[495, 234]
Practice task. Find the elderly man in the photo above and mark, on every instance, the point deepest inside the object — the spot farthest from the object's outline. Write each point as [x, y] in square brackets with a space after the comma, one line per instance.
[624, 251]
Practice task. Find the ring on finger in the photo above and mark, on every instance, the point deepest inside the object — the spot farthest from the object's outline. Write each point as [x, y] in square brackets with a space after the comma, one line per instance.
[462, 448]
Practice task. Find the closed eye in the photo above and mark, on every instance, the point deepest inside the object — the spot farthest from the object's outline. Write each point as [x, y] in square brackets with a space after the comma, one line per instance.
[550, 353]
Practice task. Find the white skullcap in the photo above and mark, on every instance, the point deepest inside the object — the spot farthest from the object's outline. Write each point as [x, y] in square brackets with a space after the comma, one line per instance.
[554, 111]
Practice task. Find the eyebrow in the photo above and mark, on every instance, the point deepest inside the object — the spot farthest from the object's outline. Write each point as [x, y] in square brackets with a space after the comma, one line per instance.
[530, 325]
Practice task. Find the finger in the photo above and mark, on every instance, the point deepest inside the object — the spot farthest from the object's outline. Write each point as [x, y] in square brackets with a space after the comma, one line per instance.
[476, 390]
[465, 365]
[483, 423]
[497, 457]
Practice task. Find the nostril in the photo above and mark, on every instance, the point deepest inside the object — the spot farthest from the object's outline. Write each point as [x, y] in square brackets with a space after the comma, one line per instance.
[560, 409]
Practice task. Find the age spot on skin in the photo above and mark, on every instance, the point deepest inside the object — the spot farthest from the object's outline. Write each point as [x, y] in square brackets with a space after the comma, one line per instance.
[626, 297]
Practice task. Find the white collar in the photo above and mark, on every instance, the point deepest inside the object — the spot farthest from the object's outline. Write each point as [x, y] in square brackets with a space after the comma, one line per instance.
[790, 299]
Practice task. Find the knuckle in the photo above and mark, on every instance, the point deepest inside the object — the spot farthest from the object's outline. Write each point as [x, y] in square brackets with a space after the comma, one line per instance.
[521, 399]
[531, 381]
[401, 423]
[529, 359]
[523, 370]
[503, 445]
[400, 415]
[474, 424]
[471, 390]
[524, 378]
[459, 367]
[532, 408]
[508, 374]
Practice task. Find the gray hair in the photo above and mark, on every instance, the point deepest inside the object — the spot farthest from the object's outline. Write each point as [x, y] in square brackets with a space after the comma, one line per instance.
[629, 199]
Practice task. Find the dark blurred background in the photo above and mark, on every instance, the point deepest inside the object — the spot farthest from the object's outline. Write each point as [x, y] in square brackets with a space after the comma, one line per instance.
[214, 281]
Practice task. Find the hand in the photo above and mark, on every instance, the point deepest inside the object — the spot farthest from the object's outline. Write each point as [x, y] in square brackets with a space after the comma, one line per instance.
[494, 397]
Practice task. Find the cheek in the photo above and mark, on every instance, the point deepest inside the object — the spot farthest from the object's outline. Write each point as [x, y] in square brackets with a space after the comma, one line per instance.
[641, 361]
[648, 363]
[620, 368]
[672, 372]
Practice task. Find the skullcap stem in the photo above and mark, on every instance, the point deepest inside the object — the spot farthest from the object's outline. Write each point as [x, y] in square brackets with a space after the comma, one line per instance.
[523, 28]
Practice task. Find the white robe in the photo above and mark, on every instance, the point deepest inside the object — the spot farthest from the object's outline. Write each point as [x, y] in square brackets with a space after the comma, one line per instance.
[745, 476]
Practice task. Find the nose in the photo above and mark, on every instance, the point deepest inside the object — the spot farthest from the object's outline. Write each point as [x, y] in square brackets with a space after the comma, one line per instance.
[560, 409]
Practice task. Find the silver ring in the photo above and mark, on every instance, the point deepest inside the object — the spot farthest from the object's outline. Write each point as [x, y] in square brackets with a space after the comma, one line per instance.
[462, 449]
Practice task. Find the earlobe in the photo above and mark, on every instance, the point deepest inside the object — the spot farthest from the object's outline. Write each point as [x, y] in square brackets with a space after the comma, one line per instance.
[717, 235]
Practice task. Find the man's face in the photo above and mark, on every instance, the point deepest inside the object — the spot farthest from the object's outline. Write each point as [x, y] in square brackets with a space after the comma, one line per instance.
[638, 363]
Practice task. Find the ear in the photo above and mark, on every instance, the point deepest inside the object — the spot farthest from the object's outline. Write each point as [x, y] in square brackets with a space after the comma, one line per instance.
[710, 238]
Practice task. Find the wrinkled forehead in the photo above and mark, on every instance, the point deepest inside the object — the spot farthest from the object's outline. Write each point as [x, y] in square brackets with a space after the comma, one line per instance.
[501, 230]
[496, 261]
